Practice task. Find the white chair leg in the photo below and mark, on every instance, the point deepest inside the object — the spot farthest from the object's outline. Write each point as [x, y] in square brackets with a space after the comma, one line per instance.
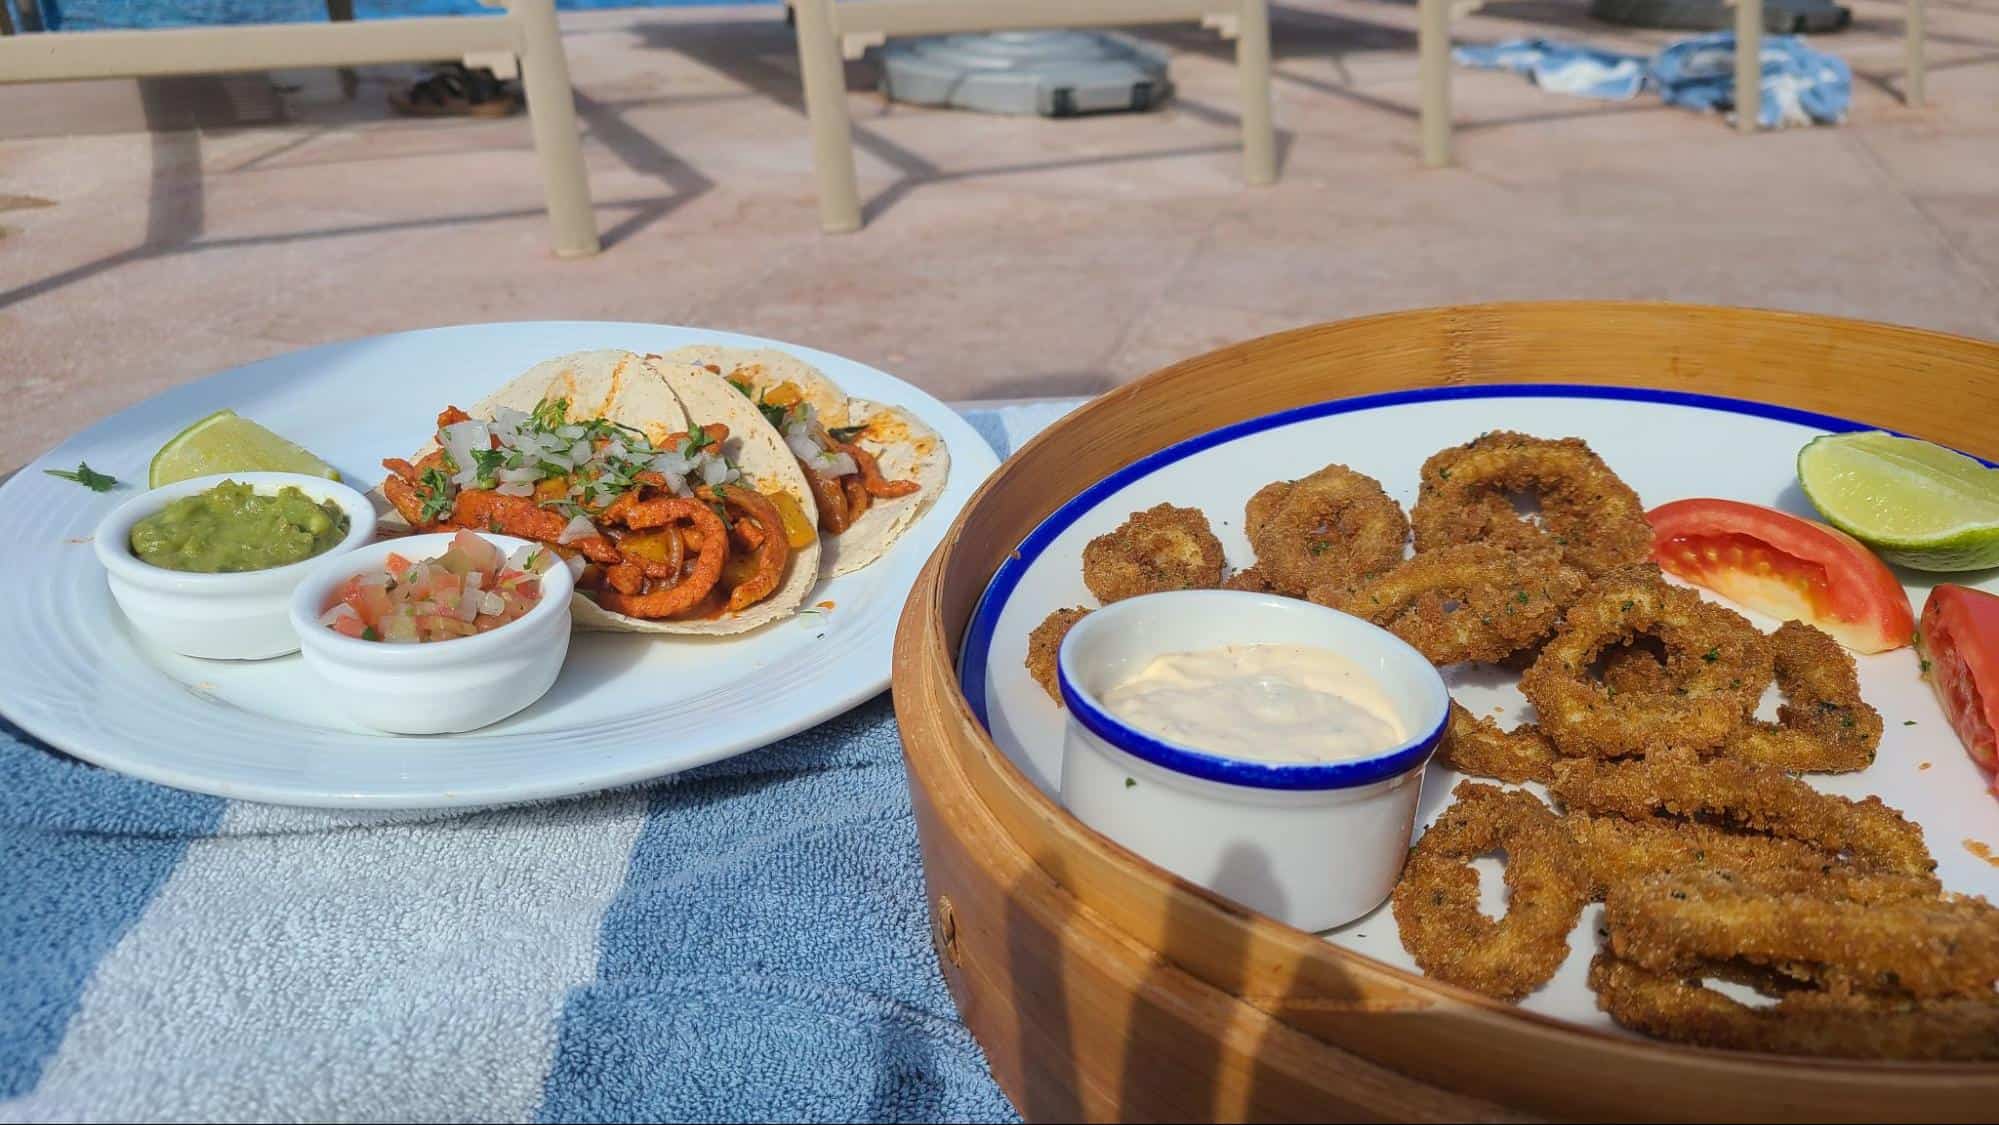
[824, 77]
[1748, 65]
[1433, 76]
[552, 119]
[1916, 31]
[1252, 60]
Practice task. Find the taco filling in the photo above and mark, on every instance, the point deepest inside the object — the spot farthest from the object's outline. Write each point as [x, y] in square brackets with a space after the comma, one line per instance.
[845, 478]
[667, 530]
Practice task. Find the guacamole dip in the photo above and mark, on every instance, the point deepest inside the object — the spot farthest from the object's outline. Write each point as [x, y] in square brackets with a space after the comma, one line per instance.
[230, 528]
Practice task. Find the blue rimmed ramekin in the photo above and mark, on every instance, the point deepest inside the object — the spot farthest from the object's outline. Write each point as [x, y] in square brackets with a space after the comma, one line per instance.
[1312, 844]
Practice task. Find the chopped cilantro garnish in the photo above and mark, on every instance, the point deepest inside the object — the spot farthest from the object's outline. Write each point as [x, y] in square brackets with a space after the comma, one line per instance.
[775, 415]
[368, 633]
[1131, 783]
[749, 391]
[1908, 722]
[1711, 655]
[1319, 547]
[551, 413]
[845, 435]
[86, 476]
[487, 463]
[438, 498]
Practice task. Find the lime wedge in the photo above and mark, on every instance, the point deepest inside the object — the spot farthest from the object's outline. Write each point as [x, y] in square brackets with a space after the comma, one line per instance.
[223, 442]
[1916, 503]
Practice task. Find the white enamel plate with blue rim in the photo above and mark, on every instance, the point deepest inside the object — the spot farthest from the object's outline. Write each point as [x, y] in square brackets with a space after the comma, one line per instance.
[1666, 445]
[626, 707]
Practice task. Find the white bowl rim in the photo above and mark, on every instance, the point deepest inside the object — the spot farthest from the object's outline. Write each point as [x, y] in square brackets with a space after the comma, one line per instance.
[112, 540]
[1410, 754]
[557, 586]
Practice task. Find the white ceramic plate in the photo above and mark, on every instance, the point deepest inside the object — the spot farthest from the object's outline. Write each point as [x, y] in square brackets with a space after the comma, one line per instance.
[626, 707]
[1665, 445]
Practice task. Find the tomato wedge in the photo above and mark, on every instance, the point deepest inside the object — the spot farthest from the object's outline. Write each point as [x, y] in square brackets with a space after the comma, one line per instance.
[1959, 641]
[1788, 567]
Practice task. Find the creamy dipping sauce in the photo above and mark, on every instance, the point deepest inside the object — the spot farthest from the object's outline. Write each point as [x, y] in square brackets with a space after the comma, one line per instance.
[1264, 703]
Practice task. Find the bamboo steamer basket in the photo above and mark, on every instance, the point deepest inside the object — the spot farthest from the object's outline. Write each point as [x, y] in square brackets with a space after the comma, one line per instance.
[1103, 987]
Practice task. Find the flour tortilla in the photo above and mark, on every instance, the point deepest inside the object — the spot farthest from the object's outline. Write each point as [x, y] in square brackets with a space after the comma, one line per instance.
[905, 447]
[767, 465]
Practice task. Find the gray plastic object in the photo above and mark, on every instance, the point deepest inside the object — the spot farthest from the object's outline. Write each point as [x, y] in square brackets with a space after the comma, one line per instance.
[1784, 17]
[1052, 73]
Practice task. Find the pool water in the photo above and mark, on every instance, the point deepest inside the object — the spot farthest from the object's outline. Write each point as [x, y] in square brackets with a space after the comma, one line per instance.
[96, 15]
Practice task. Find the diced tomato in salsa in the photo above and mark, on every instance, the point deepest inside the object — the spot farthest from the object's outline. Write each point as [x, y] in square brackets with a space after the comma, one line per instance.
[472, 588]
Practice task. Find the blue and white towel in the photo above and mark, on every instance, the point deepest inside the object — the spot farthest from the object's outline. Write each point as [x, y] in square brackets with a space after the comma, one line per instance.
[1565, 68]
[1800, 86]
[746, 941]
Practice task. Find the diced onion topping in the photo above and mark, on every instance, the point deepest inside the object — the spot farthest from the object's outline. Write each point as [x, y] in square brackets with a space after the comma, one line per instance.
[579, 527]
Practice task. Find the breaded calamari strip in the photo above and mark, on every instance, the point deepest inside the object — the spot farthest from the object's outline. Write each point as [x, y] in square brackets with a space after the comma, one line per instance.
[1468, 601]
[1678, 1007]
[1887, 934]
[1759, 798]
[1617, 850]
[1475, 745]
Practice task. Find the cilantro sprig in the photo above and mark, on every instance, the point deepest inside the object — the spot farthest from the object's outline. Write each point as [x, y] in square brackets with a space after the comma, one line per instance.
[439, 497]
[86, 476]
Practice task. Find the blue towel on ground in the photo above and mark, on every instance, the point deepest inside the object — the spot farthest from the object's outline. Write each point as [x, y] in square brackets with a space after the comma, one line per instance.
[1565, 68]
[1800, 86]
[745, 941]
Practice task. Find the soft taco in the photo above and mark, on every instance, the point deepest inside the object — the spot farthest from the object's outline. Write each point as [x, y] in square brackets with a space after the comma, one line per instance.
[671, 526]
[873, 469]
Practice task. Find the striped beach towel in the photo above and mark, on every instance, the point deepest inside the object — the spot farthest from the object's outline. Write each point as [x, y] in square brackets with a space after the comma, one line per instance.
[746, 941]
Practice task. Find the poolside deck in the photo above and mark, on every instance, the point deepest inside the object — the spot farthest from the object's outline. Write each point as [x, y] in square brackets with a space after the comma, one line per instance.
[153, 232]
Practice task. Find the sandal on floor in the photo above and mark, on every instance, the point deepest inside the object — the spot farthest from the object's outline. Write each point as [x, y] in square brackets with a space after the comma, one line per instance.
[456, 91]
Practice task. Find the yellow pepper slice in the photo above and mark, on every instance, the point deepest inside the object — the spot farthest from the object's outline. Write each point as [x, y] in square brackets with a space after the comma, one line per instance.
[798, 530]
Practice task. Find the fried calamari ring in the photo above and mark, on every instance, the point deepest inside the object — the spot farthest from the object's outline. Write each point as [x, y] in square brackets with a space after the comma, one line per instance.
[1436, 903]
[1475, 745]
[1718, 661]
[1161, 548]
[1888, 934]
[1823, 726]
[1250, 579]
[1636, 665]
[1334, 526]
[1676, 782]
[1677, 1006]
[1619, 850]
[1045, 642]
[1587, 513]
[1472, 601]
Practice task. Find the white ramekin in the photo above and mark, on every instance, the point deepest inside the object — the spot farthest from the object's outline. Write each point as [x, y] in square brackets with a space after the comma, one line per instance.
[244, 616]
[436, 687]
[1312, 844]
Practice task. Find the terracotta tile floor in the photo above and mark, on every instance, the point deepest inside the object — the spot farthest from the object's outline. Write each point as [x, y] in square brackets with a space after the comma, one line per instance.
[153, 232]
